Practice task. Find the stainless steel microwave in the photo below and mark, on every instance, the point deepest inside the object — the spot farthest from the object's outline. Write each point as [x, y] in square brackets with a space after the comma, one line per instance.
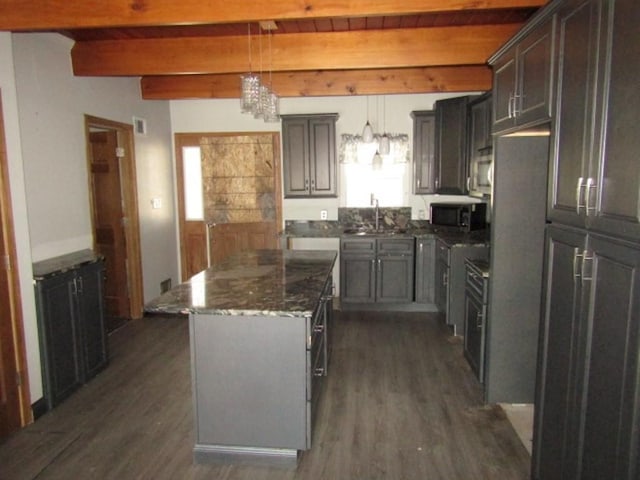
[464, 216]
[481, 175]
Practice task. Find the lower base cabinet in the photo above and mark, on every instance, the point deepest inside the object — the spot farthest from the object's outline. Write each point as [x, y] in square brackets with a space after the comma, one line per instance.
[71, 327]
[376, 270]
[588, 395]
[475, 314]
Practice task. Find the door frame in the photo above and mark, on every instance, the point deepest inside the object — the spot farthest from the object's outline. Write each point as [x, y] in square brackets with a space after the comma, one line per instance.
[13, 281]
[129, 199]
[192, 140]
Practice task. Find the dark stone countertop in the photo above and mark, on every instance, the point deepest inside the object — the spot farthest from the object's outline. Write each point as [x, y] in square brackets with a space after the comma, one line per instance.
[63, 263]
[260, 282]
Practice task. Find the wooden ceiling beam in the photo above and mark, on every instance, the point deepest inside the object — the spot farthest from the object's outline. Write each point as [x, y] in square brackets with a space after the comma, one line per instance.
[325, 83]
[23, 15]
[364, 49]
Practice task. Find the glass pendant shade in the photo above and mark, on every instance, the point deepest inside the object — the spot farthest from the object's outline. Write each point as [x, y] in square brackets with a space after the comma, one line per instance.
[367, 133]
[376, 163]
[385, 145]
[271, 109]
[250, 85]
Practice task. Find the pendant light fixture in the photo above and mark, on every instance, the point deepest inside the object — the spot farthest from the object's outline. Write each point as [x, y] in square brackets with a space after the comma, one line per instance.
[385, 141]
[249, 83]
[367, 131]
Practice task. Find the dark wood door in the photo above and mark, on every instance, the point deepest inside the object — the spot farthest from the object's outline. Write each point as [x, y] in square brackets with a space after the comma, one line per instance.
[58, 317]
[93, 341]
[451, 145]
[425, 270]
[322, 157]
[423, 152]
[108, 220]
[577, 54]
[295, 140]
[617, 201]
[612, 399]
[533, 101]
[357, 278]
[561, 358]
[504, 89]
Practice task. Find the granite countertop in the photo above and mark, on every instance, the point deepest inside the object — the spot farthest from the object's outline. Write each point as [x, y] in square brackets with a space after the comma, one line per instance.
[63, 263]
[260, 282]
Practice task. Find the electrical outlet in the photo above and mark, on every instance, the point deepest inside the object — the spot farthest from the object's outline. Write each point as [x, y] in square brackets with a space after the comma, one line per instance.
[323, 214]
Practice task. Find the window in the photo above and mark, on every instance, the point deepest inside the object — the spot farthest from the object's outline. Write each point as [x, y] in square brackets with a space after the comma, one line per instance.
[194, 207]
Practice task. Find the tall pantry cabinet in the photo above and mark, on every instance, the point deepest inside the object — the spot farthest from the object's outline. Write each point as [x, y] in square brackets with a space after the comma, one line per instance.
[587, 419]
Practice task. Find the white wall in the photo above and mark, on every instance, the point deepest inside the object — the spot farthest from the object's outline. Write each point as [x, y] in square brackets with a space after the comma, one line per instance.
[46, 141]
[19, 208]
[225, 116]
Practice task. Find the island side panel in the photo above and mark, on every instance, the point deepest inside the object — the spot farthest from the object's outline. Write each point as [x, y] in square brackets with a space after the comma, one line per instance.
[249, 380]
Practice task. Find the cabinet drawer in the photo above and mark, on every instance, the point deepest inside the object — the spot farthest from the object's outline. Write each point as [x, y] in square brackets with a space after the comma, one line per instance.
[358, 246]
[395, 246]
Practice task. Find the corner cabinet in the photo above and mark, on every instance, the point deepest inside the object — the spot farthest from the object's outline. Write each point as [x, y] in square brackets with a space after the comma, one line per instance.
[71, 328]
[522, 78]
[423, 152]
[309, 156]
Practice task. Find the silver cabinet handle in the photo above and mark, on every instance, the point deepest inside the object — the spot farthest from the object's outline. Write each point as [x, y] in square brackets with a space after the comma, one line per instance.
[318, 372]
[577, 256]
[591, 185]
[445, 279]
[468, 184]
[510, 106]
[479, 320]
[318, 329]
[579, 195]
[421, 245]
[587, 262]
[313, 185]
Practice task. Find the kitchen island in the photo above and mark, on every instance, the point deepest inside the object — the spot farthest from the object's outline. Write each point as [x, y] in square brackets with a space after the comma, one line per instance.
[259, 325]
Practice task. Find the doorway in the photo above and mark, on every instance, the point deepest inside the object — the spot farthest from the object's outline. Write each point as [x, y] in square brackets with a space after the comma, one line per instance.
[114, 214]
[229, 196]
[15, 410]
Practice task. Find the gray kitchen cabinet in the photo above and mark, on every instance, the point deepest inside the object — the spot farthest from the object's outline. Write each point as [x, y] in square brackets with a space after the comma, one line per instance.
[376, 270]
[475, 314]
[309, 156]
[450, 159]
[588, 394]
[451, 276]
[594, 178]
[423, 152]
[522, 76]
[480, 146]
[424, 270]
[71, 329]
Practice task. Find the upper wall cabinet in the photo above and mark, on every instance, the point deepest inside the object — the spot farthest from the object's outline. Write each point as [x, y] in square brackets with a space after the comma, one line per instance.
[450, 164]
[309, 156]
[594, 181]
[522, 76]
[423, 152]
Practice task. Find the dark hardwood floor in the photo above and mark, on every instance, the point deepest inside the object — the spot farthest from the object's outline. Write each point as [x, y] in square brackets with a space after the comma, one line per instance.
[400, 403]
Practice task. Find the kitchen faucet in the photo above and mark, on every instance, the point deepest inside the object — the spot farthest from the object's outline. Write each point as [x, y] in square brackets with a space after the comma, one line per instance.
[374, 202]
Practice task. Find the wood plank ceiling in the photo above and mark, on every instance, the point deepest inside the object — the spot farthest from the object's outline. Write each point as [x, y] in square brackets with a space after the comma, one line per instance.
[198, 49]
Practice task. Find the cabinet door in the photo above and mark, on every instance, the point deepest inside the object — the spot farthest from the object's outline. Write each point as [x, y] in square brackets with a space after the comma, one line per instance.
[533, 100]
[425, 270]
[394, 279]
[90, 283]
[295, 154]
[357, 278]
[560, 359]
[479, 126]
[322, 157]
[474, 322]
[504, 85]
[616, 202]
[441, 287]
[423, 152]
[577, 54]
[451, 145]
[612, 401]
[57, 317]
